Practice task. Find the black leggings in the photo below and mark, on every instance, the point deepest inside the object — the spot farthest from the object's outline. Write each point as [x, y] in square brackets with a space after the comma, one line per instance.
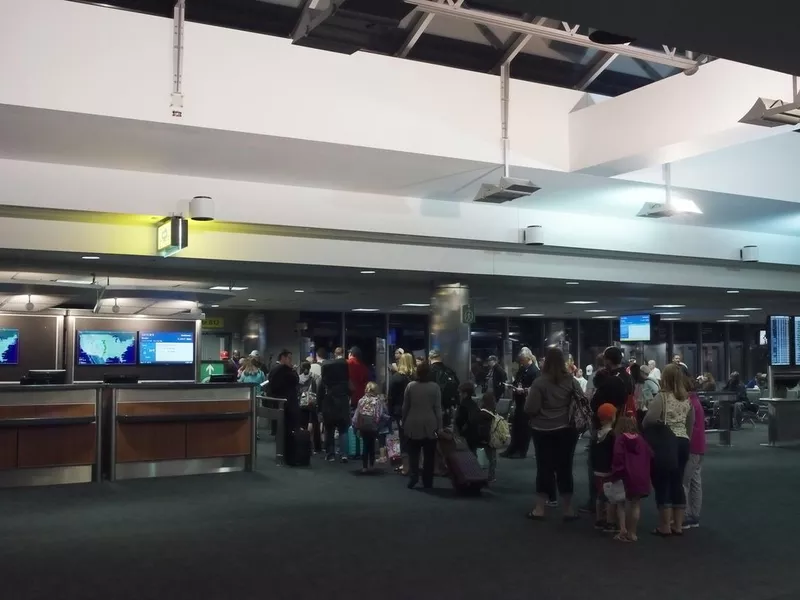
[554, 453]
[426, 448]
[368, 453]
[668, 483]
[520, 430]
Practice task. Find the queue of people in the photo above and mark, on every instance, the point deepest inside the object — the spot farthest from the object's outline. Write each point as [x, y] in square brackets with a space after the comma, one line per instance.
[646, 434]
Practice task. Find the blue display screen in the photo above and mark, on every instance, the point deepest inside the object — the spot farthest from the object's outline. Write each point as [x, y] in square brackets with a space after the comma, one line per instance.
[634, 328]
[779, 341]
[106, 348]
[166, 347]
[9, 346]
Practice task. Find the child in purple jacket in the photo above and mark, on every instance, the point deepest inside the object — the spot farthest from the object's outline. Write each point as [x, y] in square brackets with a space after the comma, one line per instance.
[692, 481]
[631, 465]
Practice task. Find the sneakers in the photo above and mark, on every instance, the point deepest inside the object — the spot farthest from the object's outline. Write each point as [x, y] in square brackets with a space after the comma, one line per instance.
[552, 503]
[691, 523]
[343, 460]
[600, 525]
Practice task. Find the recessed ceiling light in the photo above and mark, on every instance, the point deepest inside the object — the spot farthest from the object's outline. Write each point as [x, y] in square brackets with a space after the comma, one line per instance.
[605, 317]
[733, 291]
[532, 315]
[251, 299]
[573, 282]
[595, 310]
[299, 291]
[736, 316]
[415, 304]
[738, 309]
[368, 272]
[228, 288]
[582, 302]
[75, 281]
[510, 307]
[366, 309]
[90, 257]
[669, 306]
[727, 321]
[668, 314]
[215, 306]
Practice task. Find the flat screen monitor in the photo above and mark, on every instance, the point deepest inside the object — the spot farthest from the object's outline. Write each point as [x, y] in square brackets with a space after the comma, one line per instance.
[106, 348]
[634, 328]
[9, 346]
[796, 341]
[779, 341]
[45, 377]
[166, 347]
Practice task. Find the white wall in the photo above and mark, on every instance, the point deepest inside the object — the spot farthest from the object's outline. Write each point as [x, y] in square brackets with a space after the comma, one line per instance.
[80, 58]
[91, 189]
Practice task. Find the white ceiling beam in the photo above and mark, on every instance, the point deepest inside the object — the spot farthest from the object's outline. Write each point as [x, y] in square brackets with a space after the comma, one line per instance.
[421, 25]
[599, 64]
[312, 17]
[515, 45]
[670, 58]
[490, 36]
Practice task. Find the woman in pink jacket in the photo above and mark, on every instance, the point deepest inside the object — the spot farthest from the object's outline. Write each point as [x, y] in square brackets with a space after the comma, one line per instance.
[692, 481]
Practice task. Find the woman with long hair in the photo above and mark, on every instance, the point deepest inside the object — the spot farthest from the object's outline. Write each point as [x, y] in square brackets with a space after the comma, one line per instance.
[554, 436]
[671, 408]
[398, 382]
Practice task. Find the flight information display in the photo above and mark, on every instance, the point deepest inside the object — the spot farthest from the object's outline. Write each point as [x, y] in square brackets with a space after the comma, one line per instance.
[634, 328]
[106, 348]
[797, 341]
[779, 341]
[9, 346]
[166, 347]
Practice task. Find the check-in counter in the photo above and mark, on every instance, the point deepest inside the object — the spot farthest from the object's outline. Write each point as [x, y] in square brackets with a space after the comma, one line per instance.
[783, 420]
[49, 434]
[181, 429]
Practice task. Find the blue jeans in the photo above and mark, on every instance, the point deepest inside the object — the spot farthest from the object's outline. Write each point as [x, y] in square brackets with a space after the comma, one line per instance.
[330, 444]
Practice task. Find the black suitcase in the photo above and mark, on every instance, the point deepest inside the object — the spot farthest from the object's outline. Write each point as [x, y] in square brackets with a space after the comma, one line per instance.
[298, 449]
[465, 472]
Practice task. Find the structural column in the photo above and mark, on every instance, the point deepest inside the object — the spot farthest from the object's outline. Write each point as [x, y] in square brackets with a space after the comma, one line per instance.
[255, 334]
[449, 334]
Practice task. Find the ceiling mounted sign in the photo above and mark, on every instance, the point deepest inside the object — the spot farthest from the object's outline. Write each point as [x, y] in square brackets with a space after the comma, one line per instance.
[172, 235]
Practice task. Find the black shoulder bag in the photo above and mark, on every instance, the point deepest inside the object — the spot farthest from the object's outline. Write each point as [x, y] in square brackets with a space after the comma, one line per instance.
[662, 440]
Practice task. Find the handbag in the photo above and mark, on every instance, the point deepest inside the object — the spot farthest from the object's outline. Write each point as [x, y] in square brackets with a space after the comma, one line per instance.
[580, 411]
[614, 491]
[662, 441]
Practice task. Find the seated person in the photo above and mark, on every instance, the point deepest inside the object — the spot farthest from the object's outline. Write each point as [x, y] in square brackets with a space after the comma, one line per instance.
[736, 386]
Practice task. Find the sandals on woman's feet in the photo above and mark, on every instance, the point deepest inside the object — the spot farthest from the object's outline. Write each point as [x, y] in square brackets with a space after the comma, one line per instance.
[622, 537]
[659, 533]
[534, 517]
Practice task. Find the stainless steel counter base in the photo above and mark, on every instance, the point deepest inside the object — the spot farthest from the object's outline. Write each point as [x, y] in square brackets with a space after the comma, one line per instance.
[173, 468]
[46, 476]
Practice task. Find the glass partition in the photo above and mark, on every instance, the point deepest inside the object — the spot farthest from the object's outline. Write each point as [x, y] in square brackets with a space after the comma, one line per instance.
[362, 330]
[713, 355]
[595, 337]
[324, 329]
[736, 352]
[409, 332]
[686, 339]
[486, 337]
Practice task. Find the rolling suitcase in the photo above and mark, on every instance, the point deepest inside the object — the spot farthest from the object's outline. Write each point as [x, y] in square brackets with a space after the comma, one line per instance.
[465, 472]
[298, 448]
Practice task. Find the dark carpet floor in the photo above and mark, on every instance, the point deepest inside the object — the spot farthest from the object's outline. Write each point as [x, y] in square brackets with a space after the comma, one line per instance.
[327, 533]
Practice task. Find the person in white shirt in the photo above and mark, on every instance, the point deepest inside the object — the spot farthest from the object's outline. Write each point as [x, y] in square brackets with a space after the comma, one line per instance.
[581, 379]
[655, 372]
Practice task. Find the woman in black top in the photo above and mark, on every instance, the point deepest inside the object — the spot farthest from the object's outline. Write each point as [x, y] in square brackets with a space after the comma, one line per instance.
[520, 430]
[398, 382]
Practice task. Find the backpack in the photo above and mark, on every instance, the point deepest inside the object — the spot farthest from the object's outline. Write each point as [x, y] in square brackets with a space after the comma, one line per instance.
[369, 414]
[499, 434]
[580, 411]
[448, 383]
[630, 402]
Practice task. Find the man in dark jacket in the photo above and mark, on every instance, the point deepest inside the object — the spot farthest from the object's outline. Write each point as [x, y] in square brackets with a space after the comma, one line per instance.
[333, 398]
[615, 386]
[448, 383]
[282, 383]
[495, 378]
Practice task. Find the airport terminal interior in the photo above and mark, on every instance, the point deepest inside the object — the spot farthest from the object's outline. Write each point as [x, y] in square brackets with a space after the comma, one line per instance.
[201, 200]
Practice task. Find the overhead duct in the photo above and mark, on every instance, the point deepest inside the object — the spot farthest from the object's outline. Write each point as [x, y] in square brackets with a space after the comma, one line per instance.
[509, 188]
[775, 113]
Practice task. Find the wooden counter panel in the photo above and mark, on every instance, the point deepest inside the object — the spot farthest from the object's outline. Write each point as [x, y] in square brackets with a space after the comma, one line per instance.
[46, 411]
[150, 441]
[8, 449]
[218, 438]
[140, 409]
[56, 446]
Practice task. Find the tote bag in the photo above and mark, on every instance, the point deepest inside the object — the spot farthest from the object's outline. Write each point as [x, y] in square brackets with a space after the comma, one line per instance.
[662, 441]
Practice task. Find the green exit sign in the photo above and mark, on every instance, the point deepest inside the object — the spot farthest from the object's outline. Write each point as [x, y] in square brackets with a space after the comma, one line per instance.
[467, 314]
